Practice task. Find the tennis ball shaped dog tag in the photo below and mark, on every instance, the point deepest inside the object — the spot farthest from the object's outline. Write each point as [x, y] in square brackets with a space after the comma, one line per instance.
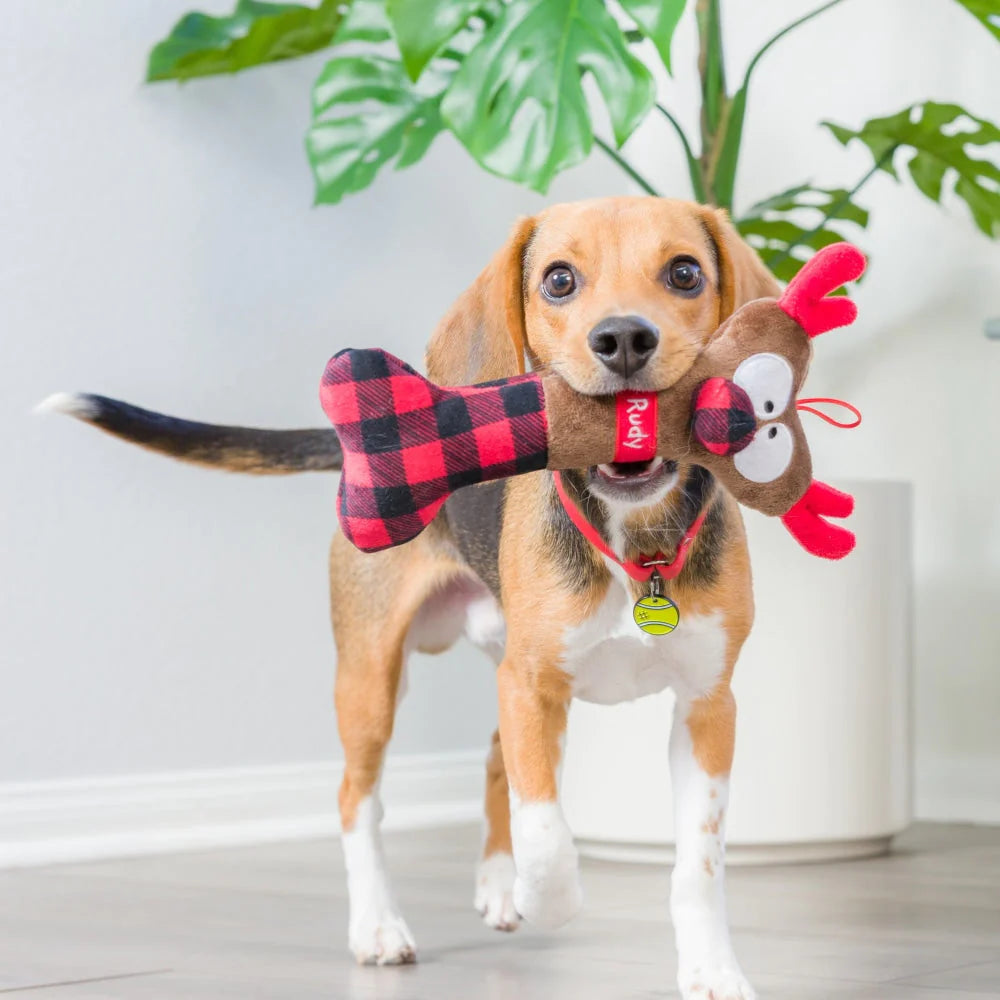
[655, 614]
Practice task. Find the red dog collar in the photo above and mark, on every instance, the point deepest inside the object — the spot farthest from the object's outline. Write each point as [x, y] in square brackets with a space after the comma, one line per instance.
[645, 566]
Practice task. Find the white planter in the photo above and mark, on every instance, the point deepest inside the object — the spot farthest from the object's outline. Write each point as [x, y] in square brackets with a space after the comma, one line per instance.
[823, 750]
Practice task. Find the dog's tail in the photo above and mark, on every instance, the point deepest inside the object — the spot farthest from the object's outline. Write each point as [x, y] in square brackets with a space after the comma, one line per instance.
[238, 449]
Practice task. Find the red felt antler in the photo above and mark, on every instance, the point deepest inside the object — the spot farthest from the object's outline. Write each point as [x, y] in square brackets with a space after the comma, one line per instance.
[807, 299]
[805, 521]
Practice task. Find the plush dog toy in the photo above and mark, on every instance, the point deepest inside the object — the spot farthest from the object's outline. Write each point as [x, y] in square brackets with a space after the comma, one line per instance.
[408, 443]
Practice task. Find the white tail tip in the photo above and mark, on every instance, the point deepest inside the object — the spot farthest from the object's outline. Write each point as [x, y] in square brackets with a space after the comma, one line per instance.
[76, 404]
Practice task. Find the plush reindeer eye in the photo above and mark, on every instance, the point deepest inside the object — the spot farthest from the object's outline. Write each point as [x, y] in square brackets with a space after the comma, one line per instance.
[767, 456]
[685, 275]
[767, 379]
[559, 281]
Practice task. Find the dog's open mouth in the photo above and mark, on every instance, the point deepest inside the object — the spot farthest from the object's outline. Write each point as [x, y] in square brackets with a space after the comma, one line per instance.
[633, 472]
[633, 481]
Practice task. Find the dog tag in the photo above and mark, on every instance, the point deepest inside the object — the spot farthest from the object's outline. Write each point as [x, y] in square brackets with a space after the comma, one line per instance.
[654, 613]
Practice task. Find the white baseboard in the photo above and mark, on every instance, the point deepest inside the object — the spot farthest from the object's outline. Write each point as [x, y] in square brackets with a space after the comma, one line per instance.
[958, 788]
[50, 822]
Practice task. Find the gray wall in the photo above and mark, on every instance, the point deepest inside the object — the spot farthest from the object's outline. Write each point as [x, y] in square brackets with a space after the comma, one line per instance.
[158, 245]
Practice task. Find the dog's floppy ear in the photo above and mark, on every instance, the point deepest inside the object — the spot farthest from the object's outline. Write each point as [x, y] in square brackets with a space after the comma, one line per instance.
[742, 274]
[482, 337]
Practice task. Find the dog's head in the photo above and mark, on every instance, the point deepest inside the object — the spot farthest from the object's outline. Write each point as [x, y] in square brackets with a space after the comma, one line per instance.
[613, 294]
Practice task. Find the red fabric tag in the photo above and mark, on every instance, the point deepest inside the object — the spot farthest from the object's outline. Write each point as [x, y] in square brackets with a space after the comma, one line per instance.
[637, 424]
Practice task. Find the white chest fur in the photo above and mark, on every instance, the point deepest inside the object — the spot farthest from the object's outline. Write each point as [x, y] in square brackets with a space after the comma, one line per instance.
[611, 660]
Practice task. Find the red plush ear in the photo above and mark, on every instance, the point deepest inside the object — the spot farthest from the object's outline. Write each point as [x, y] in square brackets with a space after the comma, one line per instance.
[807, 300]
[805, 521]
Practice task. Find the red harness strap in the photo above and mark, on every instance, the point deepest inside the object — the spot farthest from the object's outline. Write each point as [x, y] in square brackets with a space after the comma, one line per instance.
[645, 566]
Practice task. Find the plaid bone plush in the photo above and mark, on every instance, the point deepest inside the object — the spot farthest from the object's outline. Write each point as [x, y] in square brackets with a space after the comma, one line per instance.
[408, 443]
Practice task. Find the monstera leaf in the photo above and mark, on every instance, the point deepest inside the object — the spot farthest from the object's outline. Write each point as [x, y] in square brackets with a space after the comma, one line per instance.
[364, 21]
[422, 27]
[657, 20]
[517, 101]
[938, 137]
[987, 12]
[366, 113]
[255, 33]
[787, 228]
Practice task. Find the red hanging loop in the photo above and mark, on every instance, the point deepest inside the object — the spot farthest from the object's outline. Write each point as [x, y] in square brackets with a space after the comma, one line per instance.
[801, 405]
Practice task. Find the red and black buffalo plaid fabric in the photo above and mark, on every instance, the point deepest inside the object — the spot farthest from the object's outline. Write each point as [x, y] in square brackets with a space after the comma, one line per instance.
[723, 420]
[408, 443]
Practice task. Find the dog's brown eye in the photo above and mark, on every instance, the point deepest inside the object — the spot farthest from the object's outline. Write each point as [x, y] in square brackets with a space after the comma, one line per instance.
[685, 274]
[559, 281]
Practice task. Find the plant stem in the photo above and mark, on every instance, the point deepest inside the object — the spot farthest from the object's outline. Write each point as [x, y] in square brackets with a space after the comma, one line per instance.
[784, 31]
[831, 212]
[711, 62]
[714, 99]
[692, 160]
[627, 167]
[723, 113]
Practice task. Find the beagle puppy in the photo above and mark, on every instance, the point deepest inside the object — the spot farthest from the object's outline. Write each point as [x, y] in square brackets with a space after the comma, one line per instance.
[613, 294]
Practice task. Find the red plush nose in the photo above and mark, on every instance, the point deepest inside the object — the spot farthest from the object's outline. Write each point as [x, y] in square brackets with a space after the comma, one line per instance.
[723, 421]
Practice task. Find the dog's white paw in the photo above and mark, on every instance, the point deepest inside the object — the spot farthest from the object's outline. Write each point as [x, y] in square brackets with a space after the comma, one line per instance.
[549, 902]
[382, 939]
[719, 983]
[495, 892]
[547, 887]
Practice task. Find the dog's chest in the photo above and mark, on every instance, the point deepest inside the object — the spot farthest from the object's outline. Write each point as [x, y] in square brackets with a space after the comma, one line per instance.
[612, 660]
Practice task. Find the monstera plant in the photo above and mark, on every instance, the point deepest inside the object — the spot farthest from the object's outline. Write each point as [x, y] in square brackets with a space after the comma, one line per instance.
[506, 77]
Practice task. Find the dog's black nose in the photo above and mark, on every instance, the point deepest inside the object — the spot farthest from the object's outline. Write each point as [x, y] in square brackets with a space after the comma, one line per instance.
[624, 343]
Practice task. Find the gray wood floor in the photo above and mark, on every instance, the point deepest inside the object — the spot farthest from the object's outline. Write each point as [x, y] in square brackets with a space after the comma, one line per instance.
[270, 922]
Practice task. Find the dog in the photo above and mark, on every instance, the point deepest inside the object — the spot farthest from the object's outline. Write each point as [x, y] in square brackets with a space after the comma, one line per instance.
[613, 294]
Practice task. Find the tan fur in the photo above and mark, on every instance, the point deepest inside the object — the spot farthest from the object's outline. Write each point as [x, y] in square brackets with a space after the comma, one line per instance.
[742, 275]
[620, 245]
[372, 607]
[534, 691]
[497, 806]
[712, 719]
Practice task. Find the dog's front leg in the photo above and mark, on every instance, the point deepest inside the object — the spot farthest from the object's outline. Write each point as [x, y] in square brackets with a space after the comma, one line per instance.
[701, 754]
[534, 699]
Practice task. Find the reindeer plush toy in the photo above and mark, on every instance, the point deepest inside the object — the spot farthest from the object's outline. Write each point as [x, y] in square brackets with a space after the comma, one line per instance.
[409, 443]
